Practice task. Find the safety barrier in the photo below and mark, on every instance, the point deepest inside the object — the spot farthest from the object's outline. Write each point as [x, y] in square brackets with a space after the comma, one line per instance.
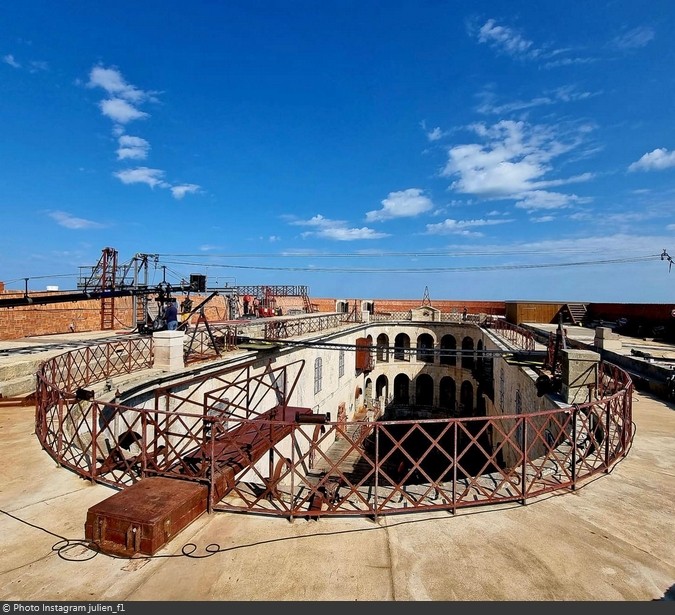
[318, 467]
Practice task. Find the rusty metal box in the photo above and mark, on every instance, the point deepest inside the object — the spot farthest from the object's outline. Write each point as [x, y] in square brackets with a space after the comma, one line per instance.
[145, 516]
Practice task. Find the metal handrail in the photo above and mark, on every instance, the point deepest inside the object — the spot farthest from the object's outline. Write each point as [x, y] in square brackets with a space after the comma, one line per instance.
[381, 467]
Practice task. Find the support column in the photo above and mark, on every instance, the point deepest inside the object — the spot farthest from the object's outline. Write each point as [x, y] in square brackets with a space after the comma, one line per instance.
[168, 350]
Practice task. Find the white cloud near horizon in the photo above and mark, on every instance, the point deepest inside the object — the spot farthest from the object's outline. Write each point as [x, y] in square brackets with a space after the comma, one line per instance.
[402, 204]
[461, 227]
[73, 222]
[336, 229]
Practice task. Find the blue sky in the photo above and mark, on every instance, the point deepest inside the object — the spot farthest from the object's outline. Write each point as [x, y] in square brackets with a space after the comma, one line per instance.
[477, 150]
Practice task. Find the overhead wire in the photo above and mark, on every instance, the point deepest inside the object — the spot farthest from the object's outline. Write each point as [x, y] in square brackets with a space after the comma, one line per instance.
[470, 268]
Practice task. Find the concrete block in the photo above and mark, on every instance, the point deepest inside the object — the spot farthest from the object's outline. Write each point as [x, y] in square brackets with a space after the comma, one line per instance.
[605, 344]
[579, 375]
[605, 333]
[168, 350]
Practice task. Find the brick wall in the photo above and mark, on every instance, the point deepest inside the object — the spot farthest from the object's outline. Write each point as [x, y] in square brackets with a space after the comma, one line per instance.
[79, 316]
[495, 308]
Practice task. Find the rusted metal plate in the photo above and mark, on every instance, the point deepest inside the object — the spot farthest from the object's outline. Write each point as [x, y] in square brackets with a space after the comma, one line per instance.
[145, 516]
[248, 442]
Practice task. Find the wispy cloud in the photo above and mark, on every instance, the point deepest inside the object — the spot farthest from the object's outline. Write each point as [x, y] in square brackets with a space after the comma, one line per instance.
[635, 38]
[565, 94]
[182, 189]
[112, 81]
[506, 40]
[73, 222]
[336, 229]
[656, 160]
[133, 148]
[541, 199]
[9, 59]
[461, 227]
[403, 204]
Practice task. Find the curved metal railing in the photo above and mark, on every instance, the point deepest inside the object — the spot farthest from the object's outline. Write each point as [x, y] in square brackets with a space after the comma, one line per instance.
[360, 468]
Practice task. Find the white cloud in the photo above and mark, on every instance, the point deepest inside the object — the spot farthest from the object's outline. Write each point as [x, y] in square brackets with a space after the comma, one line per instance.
[435, 134]
[122, 107]
[9, 59]
[133, 148]
[506, 40]
[511, 162]
[120, 110]
[351, 234]
[541, 199]
[336, 229]
[142, 175]
[112, 81]
[564, 94]
[656, 160]
[635, 38]
[402, 204]
[181, 190]
[72, 222]
[460, 227]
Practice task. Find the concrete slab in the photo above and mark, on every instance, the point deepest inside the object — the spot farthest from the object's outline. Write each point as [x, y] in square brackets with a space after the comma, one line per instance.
[613, 539]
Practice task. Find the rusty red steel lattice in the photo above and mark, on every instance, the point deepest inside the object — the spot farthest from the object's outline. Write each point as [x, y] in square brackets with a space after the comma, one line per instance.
[236, 431]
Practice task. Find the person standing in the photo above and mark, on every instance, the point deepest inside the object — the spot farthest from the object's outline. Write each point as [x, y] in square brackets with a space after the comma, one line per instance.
[171, 315]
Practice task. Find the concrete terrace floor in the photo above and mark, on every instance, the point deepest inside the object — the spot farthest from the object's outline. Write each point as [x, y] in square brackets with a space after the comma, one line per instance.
[611, 540]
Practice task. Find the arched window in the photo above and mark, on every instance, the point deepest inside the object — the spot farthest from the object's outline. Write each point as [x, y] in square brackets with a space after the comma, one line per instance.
[383, 347]
[424, 390]
[381, 385]
[401, 389]
[317, 374]
[448, 342]
[425, 348]
[467, 352]
[466, 398]
[447, 393]
[401, 346]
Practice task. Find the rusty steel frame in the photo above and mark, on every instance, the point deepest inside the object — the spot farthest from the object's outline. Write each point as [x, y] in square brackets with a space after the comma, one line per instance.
[518, 336]
[382, 467]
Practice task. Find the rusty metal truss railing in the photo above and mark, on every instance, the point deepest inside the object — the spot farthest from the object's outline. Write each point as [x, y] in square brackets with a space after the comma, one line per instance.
[235, 431]
[518, 336]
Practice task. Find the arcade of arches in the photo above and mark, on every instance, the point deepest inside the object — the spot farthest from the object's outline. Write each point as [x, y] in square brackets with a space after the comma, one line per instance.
[429, 378]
